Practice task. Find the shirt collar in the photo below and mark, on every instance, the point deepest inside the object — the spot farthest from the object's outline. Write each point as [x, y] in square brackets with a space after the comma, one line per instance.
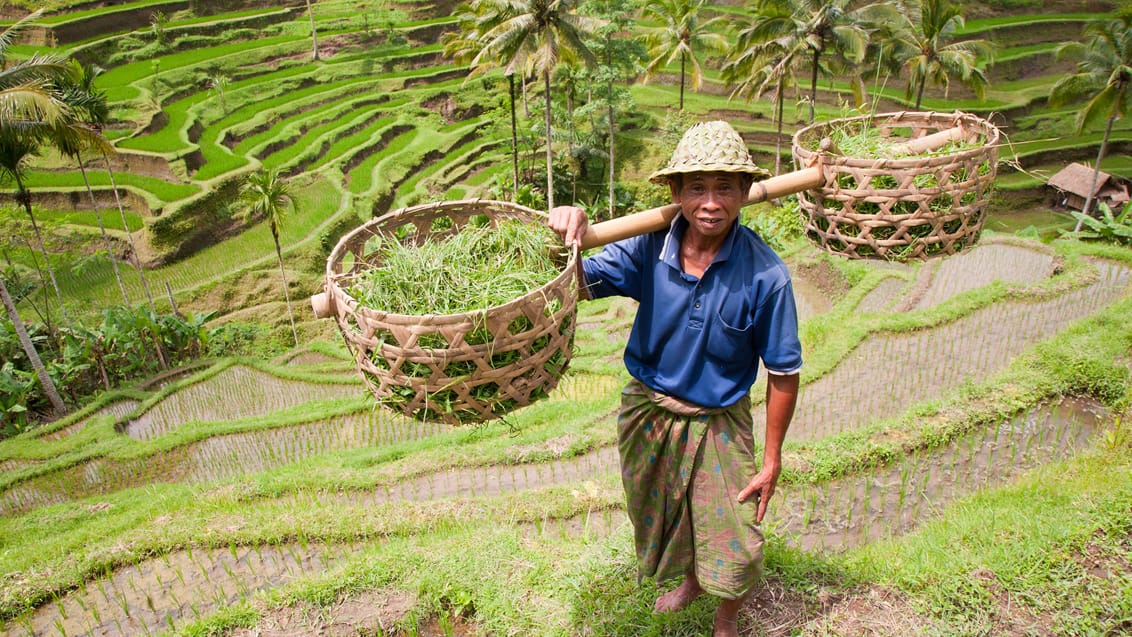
[670, 251]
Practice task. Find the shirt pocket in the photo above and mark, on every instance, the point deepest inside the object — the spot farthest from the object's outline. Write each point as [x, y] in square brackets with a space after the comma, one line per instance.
[730, 345]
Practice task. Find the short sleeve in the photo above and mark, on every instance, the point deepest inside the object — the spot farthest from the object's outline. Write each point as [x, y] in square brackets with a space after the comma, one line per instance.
[780, 349]
[616, 270]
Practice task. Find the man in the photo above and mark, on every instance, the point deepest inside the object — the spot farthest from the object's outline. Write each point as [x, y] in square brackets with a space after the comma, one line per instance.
[714, 299]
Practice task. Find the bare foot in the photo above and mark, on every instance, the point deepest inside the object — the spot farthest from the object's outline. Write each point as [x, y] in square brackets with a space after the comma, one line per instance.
[727, 618]
[725, 627]
[679, 597]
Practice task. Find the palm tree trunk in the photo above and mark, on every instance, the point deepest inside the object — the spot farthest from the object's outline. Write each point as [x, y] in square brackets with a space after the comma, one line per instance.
[29, 350]
[25, 198]
[526, 101]
[286, 291]
[549, 150]
[920, 92]
[514, 137]
[102, 229]
[778, 100]
[314, 31]
[611, 148]
[683, 61]
[814, 84]
[129, 235]
[1096, 171]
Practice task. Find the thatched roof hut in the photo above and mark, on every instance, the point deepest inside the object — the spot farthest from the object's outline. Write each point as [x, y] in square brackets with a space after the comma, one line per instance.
[1072, 186]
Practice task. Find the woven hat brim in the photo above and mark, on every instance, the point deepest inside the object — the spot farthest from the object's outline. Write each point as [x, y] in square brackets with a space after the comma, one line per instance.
[661, 176]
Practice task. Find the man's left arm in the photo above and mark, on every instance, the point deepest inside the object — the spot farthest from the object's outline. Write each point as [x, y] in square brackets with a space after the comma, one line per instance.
[781, 397]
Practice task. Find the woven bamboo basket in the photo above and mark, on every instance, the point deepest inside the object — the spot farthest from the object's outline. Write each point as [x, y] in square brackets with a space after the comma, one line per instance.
[464, 380]
[904, 207]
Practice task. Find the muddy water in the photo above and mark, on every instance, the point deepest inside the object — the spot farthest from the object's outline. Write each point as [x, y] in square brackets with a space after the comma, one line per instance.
[234, 394]
[981, 266]
[175, 589]
[810, 299]
[217, 458]
[892, 500]
[883, 296]
[118, 409]
[886, 373]
[230, 455]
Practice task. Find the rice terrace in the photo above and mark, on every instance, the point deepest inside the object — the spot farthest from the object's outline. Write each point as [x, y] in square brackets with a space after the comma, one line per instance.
[205, 431]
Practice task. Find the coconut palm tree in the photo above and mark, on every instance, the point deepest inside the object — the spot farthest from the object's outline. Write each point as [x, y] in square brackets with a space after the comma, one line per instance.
[922, 45]
[830, 36]
[29, 350]
[537, 34]
[89, 111]
[681, 35]
[766, 51]
[31, 112]
[1103, 77]
[463, 45]
[95, 114]
[264, 194]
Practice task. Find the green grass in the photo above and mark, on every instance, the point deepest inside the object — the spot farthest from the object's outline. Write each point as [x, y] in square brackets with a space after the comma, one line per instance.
[111, 220]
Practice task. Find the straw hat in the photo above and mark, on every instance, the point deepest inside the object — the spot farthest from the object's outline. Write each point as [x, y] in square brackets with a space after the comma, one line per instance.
[710, 147]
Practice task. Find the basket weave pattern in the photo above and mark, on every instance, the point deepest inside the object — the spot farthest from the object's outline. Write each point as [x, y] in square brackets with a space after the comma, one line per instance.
[900, 208]
[489, 362]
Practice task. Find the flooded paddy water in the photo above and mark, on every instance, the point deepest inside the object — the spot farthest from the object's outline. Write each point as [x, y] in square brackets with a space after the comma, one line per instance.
[878, 379]
[888, 372]
[167, 592]
[233, 394]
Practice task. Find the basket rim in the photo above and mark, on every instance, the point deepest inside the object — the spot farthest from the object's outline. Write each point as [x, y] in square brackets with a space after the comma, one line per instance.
[352, 304]
[896, 118]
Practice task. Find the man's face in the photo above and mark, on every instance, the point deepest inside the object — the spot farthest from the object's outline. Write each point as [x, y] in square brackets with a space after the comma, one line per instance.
[710, 202]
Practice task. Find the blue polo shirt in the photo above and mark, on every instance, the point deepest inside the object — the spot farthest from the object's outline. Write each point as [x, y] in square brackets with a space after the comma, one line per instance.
[701, 339]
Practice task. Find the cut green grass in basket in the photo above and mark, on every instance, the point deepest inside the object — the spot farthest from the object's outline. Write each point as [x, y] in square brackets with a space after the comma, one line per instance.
[477, 268]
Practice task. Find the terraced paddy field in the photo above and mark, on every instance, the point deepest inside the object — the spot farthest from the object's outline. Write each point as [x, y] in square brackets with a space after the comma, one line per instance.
[257, 497]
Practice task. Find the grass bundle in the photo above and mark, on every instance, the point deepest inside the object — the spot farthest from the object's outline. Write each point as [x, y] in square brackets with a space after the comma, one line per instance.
[475, 269]
[861, 139]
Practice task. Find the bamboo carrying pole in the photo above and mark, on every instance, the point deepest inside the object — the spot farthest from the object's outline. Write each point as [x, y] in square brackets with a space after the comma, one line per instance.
[790, 183]
[659, 218]
[655, 219]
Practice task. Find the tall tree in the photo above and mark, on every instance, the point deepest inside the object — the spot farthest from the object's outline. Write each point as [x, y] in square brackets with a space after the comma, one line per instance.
[464, 44]
[314, 31]
[834, 34]
[29, 350]
[767, 49]
[89, 110]
[681, 35]
[922, 44]
[95, 114]
[265, 195]
[620, 57]
[1103, 78]
[31, 112]
[536, 34]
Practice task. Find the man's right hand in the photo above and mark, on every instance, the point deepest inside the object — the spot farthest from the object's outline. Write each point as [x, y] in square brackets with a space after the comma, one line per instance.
[570, 223]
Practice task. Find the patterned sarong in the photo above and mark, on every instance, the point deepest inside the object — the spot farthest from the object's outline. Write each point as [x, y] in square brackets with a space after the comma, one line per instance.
[683, 467]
